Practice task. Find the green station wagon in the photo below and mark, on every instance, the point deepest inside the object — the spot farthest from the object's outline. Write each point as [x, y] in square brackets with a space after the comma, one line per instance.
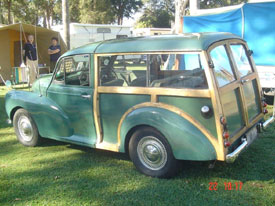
[160, 99]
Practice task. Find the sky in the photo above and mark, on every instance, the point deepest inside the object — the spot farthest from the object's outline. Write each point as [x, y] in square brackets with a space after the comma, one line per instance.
[131, 21]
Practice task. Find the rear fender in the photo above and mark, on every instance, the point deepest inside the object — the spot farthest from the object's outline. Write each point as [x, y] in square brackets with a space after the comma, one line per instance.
[186, 140]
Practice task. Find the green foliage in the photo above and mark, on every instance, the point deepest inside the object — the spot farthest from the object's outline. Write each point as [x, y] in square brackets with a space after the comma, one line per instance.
[49, 12]
[95, 11]
[125, 8]
[158, 14]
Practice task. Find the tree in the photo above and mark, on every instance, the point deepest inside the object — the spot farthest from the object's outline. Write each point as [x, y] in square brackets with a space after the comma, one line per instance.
[96, 12]
[157, 14]
[180, 6]
[66, 22]
[125, 8]
[8, 5]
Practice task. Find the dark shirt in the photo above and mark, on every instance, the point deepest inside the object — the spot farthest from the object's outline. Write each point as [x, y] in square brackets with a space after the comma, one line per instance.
[54, 57]
[30, 51]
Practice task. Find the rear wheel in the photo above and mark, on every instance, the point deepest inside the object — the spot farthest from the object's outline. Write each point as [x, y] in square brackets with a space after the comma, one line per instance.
[152, 154]
[25, 128]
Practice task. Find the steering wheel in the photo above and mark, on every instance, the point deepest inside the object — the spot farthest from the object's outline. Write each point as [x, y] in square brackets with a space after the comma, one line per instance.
[84, 78]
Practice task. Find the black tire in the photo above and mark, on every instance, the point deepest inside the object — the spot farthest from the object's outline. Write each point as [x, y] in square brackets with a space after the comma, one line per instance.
[147, 144]
[25, 128]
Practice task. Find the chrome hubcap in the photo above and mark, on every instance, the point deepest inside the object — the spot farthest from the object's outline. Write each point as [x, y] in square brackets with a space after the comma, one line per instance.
[152, 153]
[25, 128]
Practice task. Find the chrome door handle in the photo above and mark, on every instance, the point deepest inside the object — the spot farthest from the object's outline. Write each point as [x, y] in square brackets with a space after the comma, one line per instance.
[244, 81]
[86, 96]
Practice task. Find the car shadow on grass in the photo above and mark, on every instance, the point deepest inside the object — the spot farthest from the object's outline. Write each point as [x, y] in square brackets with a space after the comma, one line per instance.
[3, 115]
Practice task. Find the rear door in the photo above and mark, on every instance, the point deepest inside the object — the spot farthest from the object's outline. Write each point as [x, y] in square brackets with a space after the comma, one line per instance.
[237, 83]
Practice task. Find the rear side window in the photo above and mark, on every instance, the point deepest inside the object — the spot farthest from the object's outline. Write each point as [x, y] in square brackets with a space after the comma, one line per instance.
[152, 70]
[240, 57]
[177, 71]
[222, 67]
[123, 70]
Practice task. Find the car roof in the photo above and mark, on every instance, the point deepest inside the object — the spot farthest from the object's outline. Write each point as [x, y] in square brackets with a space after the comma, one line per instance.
[180, 42]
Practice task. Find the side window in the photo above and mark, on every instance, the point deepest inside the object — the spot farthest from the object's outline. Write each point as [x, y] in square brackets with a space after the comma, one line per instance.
[77, 70]
[60, 74]
[123, 70]
[222, 67]
[177, 71]
[239, 54]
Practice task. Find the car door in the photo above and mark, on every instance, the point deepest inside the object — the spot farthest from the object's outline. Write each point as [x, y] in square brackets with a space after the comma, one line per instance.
[71, 88]
[237, 85]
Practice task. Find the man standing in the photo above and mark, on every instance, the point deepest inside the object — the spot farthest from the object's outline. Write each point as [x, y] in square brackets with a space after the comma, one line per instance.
[55, 52]
[30, 57]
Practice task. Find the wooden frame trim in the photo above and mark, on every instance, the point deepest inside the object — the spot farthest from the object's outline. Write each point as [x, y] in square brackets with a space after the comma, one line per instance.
[238, 84]
[217, 108]
[203, 93]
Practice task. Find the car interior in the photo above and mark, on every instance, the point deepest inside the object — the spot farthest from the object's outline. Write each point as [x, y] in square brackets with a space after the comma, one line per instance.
[163, 71]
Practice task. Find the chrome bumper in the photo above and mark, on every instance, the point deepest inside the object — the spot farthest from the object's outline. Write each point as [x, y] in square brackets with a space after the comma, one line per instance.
[233, 156]
[267, 122]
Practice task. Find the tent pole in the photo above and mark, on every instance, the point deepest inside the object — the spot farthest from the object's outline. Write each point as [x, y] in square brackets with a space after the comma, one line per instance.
[36, 48]
[21, 43]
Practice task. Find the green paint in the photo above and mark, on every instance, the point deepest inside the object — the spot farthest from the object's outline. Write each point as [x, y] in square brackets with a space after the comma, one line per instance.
[51, 121]
[78, 110]
[187, 141]
[41, 84]
[112, 108]
[192, 106]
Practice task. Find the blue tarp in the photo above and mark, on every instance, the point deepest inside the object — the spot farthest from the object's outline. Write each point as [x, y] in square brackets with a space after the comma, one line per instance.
[258, 29]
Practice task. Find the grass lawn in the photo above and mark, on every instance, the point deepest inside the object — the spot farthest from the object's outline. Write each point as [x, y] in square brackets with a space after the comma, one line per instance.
[63, 174]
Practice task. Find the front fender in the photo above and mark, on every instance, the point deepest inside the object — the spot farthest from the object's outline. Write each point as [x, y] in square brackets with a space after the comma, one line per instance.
[51, 121]
[186, 140]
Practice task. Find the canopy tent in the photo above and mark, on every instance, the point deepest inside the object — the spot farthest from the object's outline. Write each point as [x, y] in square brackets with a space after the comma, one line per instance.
[252, 21]
[13, 38]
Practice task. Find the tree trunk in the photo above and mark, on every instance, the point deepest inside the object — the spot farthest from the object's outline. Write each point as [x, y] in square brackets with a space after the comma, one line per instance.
[120, 20]
[9, 11]
[1, 12]
[44, 20]
[48, 18]
[66, 22]
[180, 6]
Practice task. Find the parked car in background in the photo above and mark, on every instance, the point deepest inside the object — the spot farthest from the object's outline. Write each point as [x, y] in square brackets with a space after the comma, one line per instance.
[190, 97]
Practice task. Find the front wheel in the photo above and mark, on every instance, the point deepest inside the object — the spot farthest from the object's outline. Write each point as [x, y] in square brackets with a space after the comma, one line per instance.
[152, 154]
[25, 128]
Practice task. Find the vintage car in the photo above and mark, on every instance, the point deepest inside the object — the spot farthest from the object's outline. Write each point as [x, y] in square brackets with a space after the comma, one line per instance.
[190, 97]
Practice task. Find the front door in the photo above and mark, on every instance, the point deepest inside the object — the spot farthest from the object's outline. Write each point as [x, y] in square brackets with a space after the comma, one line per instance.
[238, 85]
[72, 90]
